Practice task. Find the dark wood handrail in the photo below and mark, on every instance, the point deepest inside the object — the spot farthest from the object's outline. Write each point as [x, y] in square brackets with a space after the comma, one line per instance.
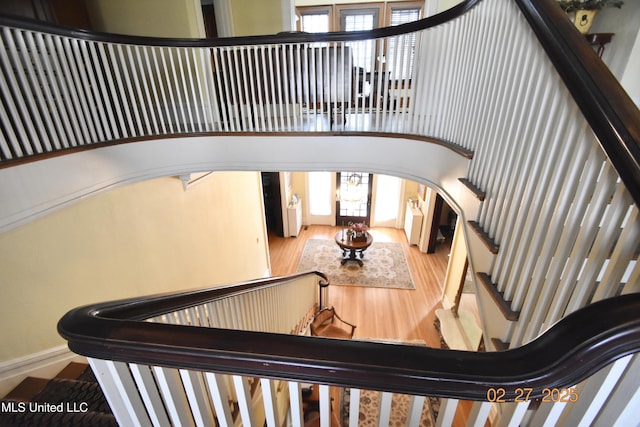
[611, 113]
[569, 352]
[280, 38]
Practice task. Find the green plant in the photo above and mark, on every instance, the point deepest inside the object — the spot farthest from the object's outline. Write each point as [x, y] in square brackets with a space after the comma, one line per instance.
[573, 5]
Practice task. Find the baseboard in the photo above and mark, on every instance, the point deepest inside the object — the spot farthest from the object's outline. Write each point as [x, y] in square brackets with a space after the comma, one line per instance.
[43, 364]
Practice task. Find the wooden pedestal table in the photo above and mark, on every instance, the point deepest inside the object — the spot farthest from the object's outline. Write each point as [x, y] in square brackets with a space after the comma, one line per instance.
[353, 249]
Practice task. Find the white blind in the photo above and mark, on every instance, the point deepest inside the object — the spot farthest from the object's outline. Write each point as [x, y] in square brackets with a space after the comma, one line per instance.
[401, 48]
[315, 23]
[363, 51]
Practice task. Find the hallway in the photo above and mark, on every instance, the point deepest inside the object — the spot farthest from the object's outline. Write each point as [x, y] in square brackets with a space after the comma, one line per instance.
[392, 314]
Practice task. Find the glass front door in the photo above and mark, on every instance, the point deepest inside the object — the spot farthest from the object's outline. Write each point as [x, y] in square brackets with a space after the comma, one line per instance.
[353, 203]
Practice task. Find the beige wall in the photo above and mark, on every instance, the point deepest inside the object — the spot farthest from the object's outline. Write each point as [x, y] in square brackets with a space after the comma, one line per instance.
[154, 18]
[247, 22]
[140, 239]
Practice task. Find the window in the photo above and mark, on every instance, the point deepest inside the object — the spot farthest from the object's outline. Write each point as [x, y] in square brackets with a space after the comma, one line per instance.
[360, 20]
[315, 19]
[401, 49]
[315, 22]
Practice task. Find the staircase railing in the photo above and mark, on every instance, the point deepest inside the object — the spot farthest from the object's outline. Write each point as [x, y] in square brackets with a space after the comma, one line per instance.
[155, 355]
[554, 138]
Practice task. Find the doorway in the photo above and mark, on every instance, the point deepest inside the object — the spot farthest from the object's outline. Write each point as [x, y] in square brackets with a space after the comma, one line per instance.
[353, 203]
[272, 202]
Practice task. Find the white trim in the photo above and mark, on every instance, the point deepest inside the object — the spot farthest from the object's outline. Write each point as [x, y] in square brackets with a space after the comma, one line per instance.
[224, 18]
[43, 364]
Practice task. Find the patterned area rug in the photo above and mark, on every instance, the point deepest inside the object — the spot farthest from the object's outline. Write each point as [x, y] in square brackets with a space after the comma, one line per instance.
[368, 411]
[385, 265]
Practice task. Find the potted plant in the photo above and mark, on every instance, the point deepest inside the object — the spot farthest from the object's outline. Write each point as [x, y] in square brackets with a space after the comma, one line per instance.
[585, 11]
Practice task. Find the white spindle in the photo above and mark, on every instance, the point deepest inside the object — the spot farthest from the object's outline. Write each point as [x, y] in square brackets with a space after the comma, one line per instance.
[325, 406]
[120, 96]
[198, 397]
[183, 92]
[146, 386]
[479, 414]
[40, 57]
[192, 68]
[384, 409]
[512, 414]
[447, 412]
[62, 88]
[160, 78]
[120, 391]
[624, 250]
[414, 411]
[102, 93]
[295, 404]
[218, 389]
[243, 392]
[8, 124]
[269, 398]
[138, 72]
[354, 407]
[173, 395]
[35, 86]
[19, 80]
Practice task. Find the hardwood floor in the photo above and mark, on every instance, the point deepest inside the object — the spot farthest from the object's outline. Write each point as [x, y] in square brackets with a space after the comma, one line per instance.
[394, 314]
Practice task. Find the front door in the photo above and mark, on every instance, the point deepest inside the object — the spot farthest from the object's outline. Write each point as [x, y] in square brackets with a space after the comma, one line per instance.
[353, 203]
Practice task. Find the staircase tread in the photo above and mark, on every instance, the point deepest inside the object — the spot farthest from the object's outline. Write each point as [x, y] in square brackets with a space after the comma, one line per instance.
[32, 417]
[60, 390]
[27, 389]
[73, 371]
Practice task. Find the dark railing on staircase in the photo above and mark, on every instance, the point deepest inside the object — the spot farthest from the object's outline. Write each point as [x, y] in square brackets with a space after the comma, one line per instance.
[570, 351]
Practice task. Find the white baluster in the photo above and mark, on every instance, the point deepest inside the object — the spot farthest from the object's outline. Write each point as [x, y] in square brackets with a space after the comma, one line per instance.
[354, 407]
[218, 389]
[146, 385]
[295, 404]
[173, 395]
[447, 412]
[384, 410]
[414, 411]
[243, 392]
[270, 402]
[120, 391]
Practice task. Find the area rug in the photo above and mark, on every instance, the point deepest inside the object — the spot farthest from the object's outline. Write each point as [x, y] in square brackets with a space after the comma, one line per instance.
[369, 409]
[385, 265]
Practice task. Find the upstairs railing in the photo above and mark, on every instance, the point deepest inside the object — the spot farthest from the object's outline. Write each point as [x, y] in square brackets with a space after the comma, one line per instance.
[162, 359]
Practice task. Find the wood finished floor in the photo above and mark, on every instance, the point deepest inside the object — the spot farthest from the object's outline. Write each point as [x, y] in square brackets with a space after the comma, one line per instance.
[395, 314]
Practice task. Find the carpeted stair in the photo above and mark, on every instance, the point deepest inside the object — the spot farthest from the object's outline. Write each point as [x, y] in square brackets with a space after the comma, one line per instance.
[73, 398]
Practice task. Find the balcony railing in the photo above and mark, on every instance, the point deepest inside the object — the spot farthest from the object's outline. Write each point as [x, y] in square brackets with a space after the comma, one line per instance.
[168, 357]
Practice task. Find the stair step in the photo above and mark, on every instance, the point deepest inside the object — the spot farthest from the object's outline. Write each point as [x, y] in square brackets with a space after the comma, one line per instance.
[488, 241]
[63, 390]
[27, 389]
[498, 297]
[478, 193]
[28, 414]
[73, 371]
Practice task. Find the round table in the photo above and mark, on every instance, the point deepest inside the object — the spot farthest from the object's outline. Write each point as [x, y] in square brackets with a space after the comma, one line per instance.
[352, 250]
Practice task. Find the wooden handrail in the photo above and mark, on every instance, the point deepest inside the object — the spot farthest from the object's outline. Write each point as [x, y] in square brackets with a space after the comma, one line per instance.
[570, 351]
[611, 113]
[280, 38]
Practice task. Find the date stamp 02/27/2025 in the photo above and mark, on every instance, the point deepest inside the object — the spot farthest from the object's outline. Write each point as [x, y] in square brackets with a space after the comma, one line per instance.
[522, 394]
